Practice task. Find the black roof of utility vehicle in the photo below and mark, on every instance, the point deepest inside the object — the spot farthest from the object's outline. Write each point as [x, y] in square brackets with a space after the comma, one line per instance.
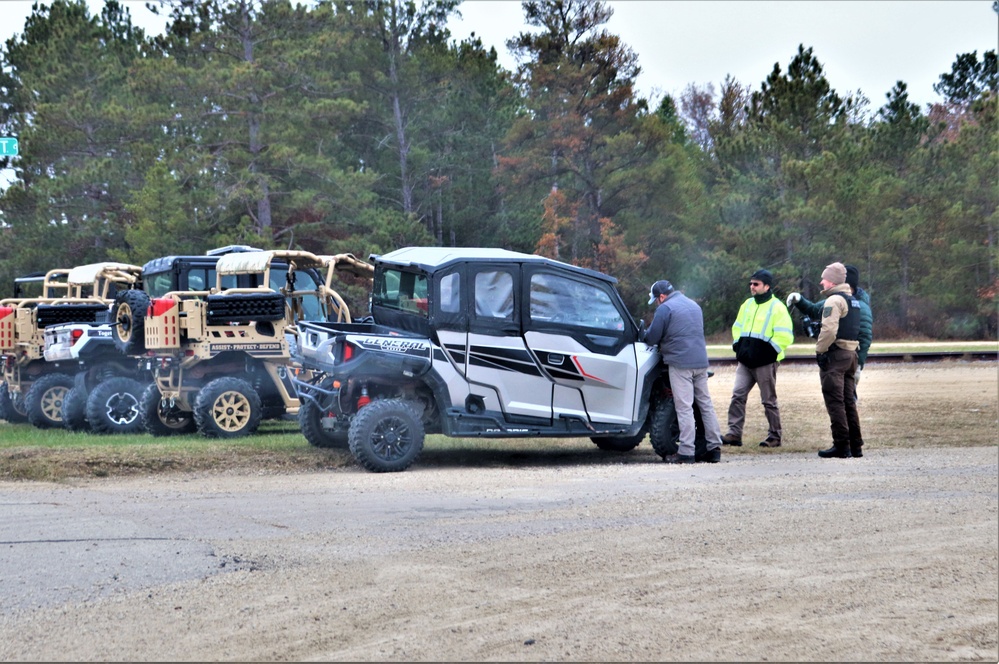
[210, 257]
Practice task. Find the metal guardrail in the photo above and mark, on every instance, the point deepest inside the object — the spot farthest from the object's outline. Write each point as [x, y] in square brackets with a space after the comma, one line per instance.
[905, 356]
[935, 356]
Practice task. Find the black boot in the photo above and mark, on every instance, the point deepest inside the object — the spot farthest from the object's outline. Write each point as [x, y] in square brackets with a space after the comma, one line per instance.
[835, 452]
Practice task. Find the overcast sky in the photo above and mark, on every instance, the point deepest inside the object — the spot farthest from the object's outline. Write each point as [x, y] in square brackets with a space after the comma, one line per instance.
[864, 44]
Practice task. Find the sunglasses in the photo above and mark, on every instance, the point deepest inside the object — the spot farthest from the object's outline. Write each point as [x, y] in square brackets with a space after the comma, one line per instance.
[755, 283]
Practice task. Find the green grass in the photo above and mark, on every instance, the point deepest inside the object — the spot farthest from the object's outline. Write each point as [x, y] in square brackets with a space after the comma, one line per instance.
[27, 453]
[271, 436]
[53, 455]
[954, 406]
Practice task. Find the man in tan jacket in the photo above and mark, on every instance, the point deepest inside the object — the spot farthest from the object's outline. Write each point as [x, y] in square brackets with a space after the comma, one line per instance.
[836, 354]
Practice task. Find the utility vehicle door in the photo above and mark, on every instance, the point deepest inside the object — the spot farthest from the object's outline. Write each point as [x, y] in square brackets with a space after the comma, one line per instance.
[499, 365]
[580, 332]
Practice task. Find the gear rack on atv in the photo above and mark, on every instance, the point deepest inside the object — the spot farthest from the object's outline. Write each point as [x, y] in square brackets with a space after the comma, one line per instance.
[222, 357]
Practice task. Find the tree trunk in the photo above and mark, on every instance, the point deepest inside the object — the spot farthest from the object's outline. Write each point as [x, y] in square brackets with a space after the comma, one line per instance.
[903, 290]
[394, 49]
[263, 217]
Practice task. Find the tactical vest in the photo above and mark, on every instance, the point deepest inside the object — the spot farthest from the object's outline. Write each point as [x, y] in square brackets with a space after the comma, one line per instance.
[849, 325]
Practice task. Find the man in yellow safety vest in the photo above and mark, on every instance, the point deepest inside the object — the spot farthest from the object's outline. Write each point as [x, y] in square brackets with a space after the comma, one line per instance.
[761, 333]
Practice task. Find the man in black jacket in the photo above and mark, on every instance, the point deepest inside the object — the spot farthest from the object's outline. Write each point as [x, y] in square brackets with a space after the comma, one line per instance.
[761, 333]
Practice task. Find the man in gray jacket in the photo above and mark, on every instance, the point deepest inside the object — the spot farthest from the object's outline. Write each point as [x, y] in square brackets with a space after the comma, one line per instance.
[678, 329]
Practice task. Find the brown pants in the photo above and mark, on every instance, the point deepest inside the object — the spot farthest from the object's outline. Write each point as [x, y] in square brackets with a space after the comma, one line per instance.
[765, 378]
[838, 387]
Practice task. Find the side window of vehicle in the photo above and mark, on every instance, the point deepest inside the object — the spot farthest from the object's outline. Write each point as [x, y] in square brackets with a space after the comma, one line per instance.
[401, 291]
[450, 295]
[157, 284]
[311, 309]
[413, 294]
[562, 301]
[494, 295]
[279, 279]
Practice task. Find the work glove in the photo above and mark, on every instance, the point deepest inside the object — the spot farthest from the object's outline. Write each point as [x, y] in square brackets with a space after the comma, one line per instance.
[822, 359]
[793, 299]
[856, 376]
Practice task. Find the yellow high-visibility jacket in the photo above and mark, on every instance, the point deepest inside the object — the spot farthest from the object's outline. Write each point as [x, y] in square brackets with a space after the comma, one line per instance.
[762, 332]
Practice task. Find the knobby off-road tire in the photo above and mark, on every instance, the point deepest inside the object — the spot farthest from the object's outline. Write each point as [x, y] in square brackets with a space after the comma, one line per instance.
[113, 406]
[387, 435]
[664, 433]
[159, 421]
[43, 402]
[310, 421]
[129, 316]
[621, 443]
[227, 408]
[74, 409]
[11, 408]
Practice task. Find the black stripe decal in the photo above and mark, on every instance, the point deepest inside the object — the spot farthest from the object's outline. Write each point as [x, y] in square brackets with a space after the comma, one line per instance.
[564, 375]
[567, 370]
[457, 353]
[516, 354]
[504, 365]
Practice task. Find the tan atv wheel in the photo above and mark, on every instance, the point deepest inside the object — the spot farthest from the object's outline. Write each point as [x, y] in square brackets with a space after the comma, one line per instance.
[43, 401]
[227, 408]
[129, 316]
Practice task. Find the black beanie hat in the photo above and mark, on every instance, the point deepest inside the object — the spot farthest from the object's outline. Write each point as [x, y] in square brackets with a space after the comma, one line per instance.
[764, 276]
[853, 277]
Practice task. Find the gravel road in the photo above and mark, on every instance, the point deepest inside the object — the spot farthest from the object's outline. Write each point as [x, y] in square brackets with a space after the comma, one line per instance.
[765, 556]
[890, 557]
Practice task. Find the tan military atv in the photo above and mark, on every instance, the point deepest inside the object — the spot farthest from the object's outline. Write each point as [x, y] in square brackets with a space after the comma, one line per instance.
[34, 389]
[28, 292]
[224, 355]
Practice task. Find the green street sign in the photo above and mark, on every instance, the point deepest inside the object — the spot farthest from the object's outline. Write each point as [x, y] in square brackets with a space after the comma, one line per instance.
[8, 146]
